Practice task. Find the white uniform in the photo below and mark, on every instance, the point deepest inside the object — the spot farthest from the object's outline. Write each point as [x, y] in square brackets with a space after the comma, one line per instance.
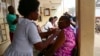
[25, 36]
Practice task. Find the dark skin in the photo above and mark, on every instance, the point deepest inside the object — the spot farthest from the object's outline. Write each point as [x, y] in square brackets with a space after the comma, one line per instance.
[17, 16]
[39, 45]
[60, 39]
[53, 23]
[59, 42]
[46, 34]
[12, 11]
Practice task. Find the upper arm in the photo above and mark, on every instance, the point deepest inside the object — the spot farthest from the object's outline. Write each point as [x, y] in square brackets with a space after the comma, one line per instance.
[34, 37]
[33, 34]
[59, 41]
[50, 25]
[11, 18]
[15, 21]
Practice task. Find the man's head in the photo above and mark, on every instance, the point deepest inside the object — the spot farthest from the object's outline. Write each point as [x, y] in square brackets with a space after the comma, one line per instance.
[11, 9]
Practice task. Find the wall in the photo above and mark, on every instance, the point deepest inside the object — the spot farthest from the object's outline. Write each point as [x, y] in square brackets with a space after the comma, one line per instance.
[5, 44]
[63, 7]
[16, 2]
[97, 12]
[4, 30]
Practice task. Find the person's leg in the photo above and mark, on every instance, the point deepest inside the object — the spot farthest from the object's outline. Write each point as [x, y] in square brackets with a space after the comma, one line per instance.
[11, 36]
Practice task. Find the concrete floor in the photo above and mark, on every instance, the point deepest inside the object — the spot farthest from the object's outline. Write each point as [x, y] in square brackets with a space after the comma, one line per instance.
[97, 44]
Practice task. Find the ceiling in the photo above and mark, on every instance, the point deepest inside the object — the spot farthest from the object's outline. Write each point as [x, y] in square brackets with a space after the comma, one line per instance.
[50, 3]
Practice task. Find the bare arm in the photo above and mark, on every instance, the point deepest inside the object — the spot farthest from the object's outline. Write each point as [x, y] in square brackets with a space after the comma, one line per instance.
[46, 34]
[17, 16]
[58, 43]
[34, 37]
[42, 45]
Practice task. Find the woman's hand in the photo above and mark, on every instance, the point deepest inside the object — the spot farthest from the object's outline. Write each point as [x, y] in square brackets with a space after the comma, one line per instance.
[56, 32]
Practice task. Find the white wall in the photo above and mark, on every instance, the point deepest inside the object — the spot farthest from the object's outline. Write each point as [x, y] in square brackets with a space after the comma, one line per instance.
[63, 7]
[16, 2]
[97, 12]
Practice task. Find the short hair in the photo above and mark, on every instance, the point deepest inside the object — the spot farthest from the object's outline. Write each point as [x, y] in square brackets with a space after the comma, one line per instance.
[55, 17]
[10, 7]
[50, 19]
[67, 18]
[27, 6]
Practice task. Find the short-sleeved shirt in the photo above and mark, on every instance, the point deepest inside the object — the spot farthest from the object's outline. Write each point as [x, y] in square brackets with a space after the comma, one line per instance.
[47, 26]
[10, 19]
[26, 35]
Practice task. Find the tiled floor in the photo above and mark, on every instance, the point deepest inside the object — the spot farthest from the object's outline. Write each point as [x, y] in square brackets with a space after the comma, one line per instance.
[97, 44]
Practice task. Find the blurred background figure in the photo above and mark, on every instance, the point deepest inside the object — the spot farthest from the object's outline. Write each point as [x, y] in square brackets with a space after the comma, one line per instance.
[50, 25]
[55, 20]
[11, 20]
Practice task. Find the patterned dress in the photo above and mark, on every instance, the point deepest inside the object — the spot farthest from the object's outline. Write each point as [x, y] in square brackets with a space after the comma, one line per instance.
[69, 44]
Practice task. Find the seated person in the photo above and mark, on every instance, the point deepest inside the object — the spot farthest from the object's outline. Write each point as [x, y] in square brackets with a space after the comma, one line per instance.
[49, 25]
[55, 19]
[45, 34]
[65, 41]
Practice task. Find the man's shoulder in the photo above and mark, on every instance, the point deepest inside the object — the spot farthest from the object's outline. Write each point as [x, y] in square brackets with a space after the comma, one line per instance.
[11, 14]
[48, 23]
